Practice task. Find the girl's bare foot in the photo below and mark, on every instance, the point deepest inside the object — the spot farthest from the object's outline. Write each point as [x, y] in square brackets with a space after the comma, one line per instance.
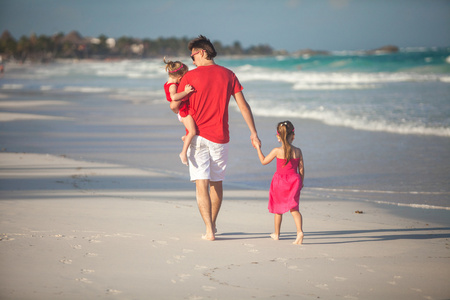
[184, 158]
[274, 236]
[299, 239]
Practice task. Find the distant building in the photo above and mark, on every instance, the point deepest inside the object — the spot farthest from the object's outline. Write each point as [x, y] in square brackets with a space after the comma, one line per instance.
[111, 43]
[137, 48]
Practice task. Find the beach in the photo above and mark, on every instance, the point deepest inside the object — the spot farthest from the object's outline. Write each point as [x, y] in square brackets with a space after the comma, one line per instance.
[72, 229]
[95, 204]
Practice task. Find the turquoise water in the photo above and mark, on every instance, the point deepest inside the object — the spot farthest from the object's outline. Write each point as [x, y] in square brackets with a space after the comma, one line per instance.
[418, 60]
[406, 92]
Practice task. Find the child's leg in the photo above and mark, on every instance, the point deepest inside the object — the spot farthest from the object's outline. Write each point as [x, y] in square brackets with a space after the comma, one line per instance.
[277, 220]
[189, 123]
[299, 224]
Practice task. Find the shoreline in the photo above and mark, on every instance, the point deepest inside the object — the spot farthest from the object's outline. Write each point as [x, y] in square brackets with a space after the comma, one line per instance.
[75, 229]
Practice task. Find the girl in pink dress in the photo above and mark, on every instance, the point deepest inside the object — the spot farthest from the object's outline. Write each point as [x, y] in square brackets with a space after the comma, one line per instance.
[176, 71]
[287, 181]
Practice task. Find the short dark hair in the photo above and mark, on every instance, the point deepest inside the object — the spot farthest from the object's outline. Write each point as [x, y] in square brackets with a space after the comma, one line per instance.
[203, 43]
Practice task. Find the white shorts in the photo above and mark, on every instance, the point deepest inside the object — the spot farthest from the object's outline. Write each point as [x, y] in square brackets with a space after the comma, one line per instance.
[207, 160]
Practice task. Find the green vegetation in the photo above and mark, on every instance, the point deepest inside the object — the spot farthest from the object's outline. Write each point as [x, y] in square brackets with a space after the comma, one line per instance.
[47, 48]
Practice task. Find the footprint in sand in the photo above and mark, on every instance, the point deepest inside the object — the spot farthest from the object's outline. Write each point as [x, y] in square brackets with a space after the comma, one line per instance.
[251, 246]
[327, 256]
[77, 247]
[181, 277]
[322, 286]
[83, 280]
[87, 271]
[113, 292]
[161, 242]
[366, 267]
[91, 254]
[393, 282]
[66, 261]
[337, 278]
[200, 268]
[176, 259]
[208, 288]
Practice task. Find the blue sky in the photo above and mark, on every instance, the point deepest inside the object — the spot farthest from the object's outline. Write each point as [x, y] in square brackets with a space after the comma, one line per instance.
[283, 24]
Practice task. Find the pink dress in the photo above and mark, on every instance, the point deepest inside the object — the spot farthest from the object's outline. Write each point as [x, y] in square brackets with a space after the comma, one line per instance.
[285, 187]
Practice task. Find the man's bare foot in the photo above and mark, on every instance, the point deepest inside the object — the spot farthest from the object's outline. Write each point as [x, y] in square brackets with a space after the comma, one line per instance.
[184, 158]
[208, 237]
[275, 236]
[299, 239]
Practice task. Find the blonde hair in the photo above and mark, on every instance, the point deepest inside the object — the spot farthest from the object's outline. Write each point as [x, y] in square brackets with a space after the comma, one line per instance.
[175, 68]
[285, 131]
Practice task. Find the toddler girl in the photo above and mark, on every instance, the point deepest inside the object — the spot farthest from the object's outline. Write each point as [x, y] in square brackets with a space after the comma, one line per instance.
[176, 71]
[287, 181]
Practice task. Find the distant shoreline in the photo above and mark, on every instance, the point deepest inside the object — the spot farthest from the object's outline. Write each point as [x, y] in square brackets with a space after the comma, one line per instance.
[45, 49]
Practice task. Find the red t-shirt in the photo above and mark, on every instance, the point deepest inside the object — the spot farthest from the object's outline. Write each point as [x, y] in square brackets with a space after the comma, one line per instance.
[184, 106]
[214, 85]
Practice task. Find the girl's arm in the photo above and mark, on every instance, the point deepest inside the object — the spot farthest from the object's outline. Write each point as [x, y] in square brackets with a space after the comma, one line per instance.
[301, 167]
[266, 159]
[178, 96]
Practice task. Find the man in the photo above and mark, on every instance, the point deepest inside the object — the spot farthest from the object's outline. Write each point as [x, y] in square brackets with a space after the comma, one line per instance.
[208, 154]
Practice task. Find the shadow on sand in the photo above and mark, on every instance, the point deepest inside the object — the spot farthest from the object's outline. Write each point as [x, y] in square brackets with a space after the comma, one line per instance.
[348, 236]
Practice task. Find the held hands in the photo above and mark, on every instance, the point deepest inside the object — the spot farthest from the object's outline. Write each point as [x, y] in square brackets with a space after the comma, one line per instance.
[256, 142]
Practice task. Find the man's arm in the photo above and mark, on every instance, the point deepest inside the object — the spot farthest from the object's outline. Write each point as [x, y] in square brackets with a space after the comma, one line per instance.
[246, 112]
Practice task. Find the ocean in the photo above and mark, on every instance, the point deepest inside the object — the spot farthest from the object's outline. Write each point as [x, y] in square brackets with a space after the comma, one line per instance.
[372, 127]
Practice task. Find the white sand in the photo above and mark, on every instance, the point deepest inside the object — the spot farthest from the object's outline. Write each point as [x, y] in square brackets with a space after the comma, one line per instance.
[82, 230]
[14, 116]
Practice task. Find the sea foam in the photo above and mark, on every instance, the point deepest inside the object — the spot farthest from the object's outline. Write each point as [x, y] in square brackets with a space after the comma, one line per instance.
[359, 123]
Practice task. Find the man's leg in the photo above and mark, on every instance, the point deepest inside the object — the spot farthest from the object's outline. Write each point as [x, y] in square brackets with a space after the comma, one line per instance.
[216, 196]
[205, 207]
